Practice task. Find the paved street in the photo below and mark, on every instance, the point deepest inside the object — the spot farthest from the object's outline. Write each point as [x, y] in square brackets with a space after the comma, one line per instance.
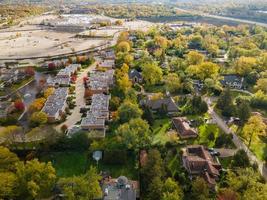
[79, 94]
[236, 140]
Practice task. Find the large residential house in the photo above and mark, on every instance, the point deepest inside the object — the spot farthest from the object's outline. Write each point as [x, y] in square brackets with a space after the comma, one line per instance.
[99, 81]
[120, 189]
[199, 162]
[182, 126]
[98, 114]
[135, 76]
[232, 81]
[63, 77]
[56, 104]
[164, 104]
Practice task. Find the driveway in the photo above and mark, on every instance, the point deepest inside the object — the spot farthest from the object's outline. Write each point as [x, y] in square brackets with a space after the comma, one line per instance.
[224, 153]
[79, 98]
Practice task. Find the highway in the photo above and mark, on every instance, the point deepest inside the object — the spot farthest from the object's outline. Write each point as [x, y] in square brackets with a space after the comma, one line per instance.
[223, 18]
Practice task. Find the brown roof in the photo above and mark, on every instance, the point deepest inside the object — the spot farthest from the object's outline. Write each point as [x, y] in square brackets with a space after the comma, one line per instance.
[183, 128]
[198, 161]
[160, 103]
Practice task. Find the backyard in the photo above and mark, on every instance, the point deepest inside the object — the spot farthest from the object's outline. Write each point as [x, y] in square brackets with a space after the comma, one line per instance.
[72, 163]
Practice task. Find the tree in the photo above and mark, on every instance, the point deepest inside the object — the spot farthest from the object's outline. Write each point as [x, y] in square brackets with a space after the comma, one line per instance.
[152, 73]
[227, 194]
[84, 187]
[172, 191]
[8, 182]
[243, 111]
[247, 183]
[261, 85]
[195, 58]
[135, 133]
[161, 42]
[155, 189]
[225, 103]
[152, 173]
[34, 179]
[49, 91]
[122, 78]
[200, 189]
[129, 110]
[37, 104]
[123, 46]
[7, 159]
[29, 71]
[19, 105]
[208, 70]
[38, 118]
[240, 159]
[118, 22]
[173, 82]
[244, 65]
[254, 128]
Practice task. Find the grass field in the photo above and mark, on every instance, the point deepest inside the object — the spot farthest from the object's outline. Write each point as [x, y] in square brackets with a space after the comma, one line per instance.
[160, 127]
[72, 163]
[68, 163]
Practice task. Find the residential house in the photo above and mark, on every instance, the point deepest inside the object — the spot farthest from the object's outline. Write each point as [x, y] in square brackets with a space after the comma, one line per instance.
[56, 104]
[183, 128]
[232, 81]
[167, 105]
[99, 82]
[199, 162]
[135, 76]
[120, 189]
[98, 114]
[107, 64]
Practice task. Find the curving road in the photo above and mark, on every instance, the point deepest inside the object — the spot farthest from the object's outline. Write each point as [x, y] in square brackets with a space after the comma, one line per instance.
[223, 18]
[236, 140]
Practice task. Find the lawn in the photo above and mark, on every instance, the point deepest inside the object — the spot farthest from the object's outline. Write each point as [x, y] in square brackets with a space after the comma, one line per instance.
[207, 134]
[72, 163]
[160, 127]
[174, 165]
[129, 169]
[68, 163]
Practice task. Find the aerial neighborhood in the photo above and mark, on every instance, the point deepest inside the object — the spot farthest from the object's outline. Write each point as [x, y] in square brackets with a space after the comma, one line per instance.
[130, 101]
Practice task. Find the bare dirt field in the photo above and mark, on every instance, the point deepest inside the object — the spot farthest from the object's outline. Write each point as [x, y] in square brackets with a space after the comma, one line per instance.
[31, 40]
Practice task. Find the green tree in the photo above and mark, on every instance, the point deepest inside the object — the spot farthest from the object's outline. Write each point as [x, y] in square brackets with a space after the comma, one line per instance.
[254, 128]
[244, 65]
[152, 169]
[250, 188]
[7, 159]
[243, 111]
[200, 189]
[173, 82]
[261, 85]
[240, 159]
[38, 118]
[172, 191]
[8, 184]
[129, 110]
[225, 103]
[123, 46]
[35, 179]
[155, 189]
[85, 187]
[152, 73]
[195, 58]
[135, 133]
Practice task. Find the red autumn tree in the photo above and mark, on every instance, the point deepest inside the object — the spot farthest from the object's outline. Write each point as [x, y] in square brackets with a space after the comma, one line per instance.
[29, 71]
[51, 66]
[19, 105]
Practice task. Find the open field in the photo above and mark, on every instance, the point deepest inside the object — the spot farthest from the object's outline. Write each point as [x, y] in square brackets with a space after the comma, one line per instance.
[42, 43]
